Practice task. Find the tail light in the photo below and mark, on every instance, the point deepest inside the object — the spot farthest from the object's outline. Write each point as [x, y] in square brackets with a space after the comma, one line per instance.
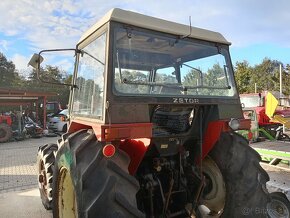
[109, 150]
[62, 118]
[250, 135]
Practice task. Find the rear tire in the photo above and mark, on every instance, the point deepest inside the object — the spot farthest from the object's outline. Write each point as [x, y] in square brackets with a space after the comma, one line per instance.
[5, 132]
[99, 186]
[244, 179]
[45, 163]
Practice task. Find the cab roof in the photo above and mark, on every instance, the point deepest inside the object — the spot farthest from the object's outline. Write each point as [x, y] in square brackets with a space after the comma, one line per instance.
[152, 23]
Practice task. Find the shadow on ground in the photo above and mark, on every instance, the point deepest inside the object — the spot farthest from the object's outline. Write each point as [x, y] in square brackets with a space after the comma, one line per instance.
[23, 204]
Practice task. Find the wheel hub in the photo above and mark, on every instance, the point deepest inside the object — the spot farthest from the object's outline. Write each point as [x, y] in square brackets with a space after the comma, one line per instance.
[214, 194]
[277, 208]
[66, 201]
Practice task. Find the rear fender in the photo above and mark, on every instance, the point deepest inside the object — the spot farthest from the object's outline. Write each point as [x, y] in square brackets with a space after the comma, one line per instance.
[136, 149]
[212, 134]
[75, 126]
[138, 138]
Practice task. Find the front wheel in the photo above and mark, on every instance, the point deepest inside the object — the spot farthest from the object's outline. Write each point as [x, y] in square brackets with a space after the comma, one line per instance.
[88, 184]
[45, 163]
[5, 132]
[235, 181]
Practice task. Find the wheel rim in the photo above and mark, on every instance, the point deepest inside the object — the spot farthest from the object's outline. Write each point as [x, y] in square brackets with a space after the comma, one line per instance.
[277, 209]
[66, 198]
[214, 195]
[42, 178]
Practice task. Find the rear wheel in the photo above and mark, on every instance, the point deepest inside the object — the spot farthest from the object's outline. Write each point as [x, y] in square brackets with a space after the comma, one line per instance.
[45, 163]
[5, 132]
[235, 181]
[87, 184]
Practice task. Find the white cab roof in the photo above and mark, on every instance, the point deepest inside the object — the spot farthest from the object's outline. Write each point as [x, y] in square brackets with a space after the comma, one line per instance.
[152, 23]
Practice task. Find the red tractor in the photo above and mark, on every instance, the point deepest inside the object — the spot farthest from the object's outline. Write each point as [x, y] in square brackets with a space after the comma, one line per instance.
[153, 113]
[5, 128]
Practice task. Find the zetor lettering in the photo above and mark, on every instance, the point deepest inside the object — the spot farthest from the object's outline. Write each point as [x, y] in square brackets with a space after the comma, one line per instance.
[186, 100]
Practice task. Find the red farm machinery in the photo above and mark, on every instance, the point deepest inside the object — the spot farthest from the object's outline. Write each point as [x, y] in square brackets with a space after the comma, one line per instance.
[5, 128]
[268, 117]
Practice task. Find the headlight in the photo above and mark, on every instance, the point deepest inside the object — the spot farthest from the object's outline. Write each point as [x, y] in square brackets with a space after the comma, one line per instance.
[234, 124]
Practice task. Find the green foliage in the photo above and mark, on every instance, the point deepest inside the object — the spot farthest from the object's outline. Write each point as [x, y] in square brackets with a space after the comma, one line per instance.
[51, 74]
[191, 77]
[214, 77]
[264, 75]
[133, 76]
[243, 73]
[10, 78]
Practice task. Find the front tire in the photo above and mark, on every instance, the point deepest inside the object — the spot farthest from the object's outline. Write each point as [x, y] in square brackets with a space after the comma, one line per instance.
[88, 184]
[244, 179]
[5, 132]
[45, 163]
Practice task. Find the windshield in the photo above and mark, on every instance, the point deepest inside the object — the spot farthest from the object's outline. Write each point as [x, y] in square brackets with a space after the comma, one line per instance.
[148, 63]
[89, 95]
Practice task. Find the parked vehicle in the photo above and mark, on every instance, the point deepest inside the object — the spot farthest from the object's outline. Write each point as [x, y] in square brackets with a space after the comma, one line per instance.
[5, 128]
[279, 205]
[153, 114]
[30, 128]
[58, 122]
[52, 107]
[266, 119]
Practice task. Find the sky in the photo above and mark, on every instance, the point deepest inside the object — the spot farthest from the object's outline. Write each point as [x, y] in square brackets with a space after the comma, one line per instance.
[257, 29]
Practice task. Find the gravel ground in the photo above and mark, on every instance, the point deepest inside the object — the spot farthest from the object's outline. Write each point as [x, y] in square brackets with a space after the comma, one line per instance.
[18, 163]
[19, 195]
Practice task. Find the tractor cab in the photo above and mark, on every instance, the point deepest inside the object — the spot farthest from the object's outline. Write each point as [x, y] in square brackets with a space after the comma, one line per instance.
[153, 74]
[158, 76]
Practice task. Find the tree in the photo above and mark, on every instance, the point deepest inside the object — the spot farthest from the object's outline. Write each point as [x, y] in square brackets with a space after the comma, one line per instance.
[9, 77]
[132, 76]
[51, 74]
[286, 79]
[215, 78]
[266, 75]
[243, 74]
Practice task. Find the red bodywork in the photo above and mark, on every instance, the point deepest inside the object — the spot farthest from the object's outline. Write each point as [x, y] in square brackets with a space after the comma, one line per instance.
[134, 139]
[6, 119]
[263, 119]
